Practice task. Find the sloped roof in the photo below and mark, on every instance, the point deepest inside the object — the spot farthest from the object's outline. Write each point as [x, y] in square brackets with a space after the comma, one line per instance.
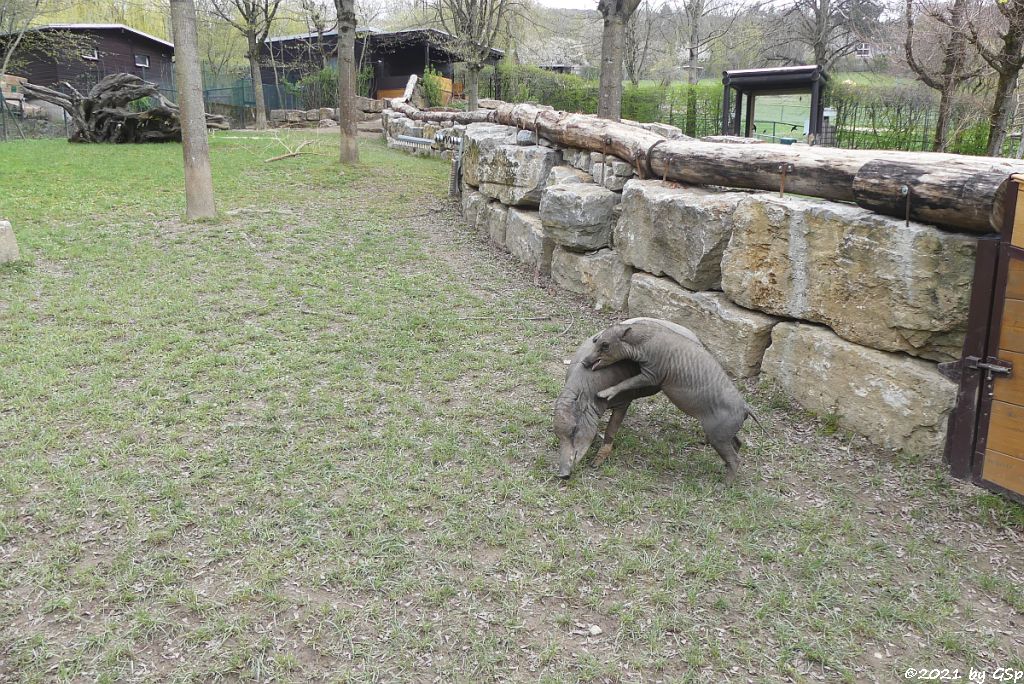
[437, 34]
[98, 27]
[332, 32]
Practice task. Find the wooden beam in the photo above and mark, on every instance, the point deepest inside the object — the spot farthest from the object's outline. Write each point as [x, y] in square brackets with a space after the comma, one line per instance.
[954, 191]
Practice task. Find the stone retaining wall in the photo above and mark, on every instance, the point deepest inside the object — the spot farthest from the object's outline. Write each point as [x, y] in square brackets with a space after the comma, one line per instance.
[445, 145]
[369, 110]
[847, 310]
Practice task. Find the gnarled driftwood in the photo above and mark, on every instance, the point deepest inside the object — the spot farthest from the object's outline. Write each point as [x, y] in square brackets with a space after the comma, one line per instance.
[102, 115]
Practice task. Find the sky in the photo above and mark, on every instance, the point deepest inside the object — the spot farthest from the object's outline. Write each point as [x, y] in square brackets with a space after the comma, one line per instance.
[570, 4]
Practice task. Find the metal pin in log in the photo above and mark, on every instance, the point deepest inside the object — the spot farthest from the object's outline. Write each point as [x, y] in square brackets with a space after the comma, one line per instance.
[905, 192]
[784, 168]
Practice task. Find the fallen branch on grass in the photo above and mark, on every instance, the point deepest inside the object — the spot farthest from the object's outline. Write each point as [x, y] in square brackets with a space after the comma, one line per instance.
[514, 318]
[294, 153]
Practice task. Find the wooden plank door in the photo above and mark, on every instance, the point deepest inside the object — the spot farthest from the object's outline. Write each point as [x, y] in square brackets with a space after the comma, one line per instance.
[999, 450]
[986, 430]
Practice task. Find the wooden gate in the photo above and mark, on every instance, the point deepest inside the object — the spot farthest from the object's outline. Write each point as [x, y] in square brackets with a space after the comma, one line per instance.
[986, 436]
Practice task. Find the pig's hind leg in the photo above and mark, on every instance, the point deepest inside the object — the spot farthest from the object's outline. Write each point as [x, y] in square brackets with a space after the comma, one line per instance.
[721, 433]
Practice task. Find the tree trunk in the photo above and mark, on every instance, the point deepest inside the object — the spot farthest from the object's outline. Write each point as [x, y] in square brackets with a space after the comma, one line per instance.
[277, 79]
[613, 42]
[473, 85]
[693, 54]
[821, 24]
[195, 146]
[257, 82]
[952, 68]
[1002, 111]
[348, 114]
[951, 76]
[941, 141]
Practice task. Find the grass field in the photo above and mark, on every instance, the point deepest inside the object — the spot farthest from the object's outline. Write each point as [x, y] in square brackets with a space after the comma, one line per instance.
[311, 441]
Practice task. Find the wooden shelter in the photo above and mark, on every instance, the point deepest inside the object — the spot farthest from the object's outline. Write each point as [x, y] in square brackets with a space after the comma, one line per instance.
[392, 55]
[83, 54]
[750, 83]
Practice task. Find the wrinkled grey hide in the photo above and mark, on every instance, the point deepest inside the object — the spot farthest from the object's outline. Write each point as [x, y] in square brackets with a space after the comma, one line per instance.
[673, 359]
[579, 408]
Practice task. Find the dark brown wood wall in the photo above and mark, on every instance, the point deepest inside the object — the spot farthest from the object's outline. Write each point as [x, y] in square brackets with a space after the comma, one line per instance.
[116, 50]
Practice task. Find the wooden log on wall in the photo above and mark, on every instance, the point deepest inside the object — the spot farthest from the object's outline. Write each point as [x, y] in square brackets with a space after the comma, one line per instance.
[438, 116]
[955, 191]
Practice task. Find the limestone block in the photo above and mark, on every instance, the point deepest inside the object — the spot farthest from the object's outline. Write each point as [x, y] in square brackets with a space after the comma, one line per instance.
[894, 400]
[577, 158]
[311, 115]
[613, 165]
[472, 203]
[479, 138]
[398, 125]
[578, 215]
[327, 113]
[610, 171]
[737, 337]
[294, 116]
[677, 231]
[516, 175]
[366, 104]
[567, 174]
[525, 239]
[670, 132]
[8, 244]
[601, 277]
[278, 115]
[491, 222]
[870, 278]
[526, 138]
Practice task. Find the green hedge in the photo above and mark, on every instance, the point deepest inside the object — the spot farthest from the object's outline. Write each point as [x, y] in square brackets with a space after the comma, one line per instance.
[867, 117]
[695, 107]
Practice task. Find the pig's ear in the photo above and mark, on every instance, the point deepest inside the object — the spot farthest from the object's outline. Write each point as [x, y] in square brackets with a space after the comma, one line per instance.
[626, 332]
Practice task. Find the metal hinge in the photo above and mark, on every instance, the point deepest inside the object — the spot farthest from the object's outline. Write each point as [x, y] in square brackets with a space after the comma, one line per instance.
[991, 364]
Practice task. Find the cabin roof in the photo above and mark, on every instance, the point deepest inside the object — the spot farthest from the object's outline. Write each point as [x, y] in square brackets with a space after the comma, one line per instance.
[97, 27]
[436, 36]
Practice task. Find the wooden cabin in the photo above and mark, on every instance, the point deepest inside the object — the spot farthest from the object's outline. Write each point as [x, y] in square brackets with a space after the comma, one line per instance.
[390, 56]
[82, 54]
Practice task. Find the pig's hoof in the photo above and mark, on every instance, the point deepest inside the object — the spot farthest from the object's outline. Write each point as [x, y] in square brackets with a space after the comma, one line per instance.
[604, 452]
[606, 394]
[730, 478]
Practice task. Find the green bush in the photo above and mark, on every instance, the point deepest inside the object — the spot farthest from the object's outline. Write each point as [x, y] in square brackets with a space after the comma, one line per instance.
[363, 80]
[433, 92]
[696, 109]
[522, 83]
[318, 89]
[643, 103]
